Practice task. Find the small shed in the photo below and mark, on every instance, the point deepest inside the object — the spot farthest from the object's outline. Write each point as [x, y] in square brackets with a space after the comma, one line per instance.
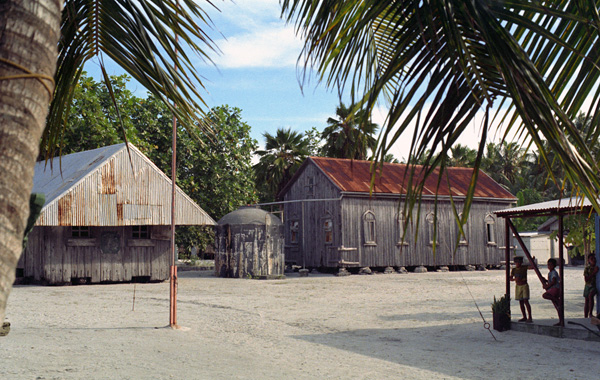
[249, 243]
[559, 208]
[107, 218]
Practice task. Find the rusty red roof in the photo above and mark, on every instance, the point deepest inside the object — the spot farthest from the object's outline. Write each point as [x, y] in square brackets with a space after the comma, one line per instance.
[355, 176]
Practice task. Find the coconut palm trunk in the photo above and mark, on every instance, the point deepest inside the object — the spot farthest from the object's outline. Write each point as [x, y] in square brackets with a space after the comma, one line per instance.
[29, 33]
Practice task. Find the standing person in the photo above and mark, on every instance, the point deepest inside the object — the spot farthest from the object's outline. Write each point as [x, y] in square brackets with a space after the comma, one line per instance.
[589, 291]
[552, 286]
[519, 276]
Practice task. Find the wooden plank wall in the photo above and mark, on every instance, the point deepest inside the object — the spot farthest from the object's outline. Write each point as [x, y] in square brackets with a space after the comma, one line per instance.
[348, 232]
[310, 248]
[417, 250]
[53, 257]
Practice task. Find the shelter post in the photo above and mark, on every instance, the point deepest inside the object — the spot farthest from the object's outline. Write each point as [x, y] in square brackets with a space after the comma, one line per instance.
[561, 267]
[507, 255]
[597, 232]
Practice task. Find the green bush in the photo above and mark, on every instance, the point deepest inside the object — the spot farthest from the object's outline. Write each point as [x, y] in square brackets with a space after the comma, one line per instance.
[501, 306]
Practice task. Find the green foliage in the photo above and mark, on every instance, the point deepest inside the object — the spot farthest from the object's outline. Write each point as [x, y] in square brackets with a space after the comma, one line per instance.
[580, 234]
[189, 236]
[217, 170]
[462, 156]
[501, 306]
[391, 159]
[92, 122]
[282, 156]
[503, 163]
[314, 141]
[350, 135]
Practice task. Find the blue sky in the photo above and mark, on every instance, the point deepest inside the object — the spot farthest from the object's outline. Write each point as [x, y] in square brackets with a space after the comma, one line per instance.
[257, 72]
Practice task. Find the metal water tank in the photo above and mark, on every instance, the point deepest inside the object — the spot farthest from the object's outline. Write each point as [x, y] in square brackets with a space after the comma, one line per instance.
[250, 243]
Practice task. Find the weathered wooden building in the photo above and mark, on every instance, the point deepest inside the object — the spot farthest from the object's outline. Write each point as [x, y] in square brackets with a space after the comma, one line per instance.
[332, 219]
[107, 218]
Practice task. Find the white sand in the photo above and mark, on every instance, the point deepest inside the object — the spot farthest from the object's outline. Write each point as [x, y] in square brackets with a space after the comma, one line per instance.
[413, 326]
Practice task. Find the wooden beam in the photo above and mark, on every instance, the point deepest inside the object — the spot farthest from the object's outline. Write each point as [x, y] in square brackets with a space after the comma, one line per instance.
[526, 251]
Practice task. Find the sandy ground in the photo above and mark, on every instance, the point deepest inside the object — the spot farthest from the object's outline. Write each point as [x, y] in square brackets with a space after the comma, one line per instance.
[411, 326]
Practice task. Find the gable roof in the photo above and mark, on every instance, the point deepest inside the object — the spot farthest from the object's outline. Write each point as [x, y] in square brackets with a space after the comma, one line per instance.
[104, 187]
[354, 176]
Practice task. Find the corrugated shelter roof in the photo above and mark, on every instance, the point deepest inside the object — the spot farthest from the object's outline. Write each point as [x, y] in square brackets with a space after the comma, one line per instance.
[355, 176]
[104, 187]
[571, 205]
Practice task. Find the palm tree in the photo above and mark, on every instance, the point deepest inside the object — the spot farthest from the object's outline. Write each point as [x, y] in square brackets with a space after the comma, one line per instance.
[350, 135]
[462, 156]
[437, 63]
[391, 159]
[43, 47]
[505, 163]
[282, 156]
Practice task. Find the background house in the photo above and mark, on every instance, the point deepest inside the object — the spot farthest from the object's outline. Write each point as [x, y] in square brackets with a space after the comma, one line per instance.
[541, 244]
[332, 220]
[106, 218]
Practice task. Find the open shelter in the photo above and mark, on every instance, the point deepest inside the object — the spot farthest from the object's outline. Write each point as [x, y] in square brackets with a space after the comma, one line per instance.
[559, 208]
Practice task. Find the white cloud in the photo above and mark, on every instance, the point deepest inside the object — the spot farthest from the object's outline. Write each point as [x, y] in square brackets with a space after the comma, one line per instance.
[251, 34]
[273, 46]
[470, 137]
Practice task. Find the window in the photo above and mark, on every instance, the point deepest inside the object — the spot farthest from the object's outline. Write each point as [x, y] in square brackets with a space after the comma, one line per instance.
[140, 232]
[310, 188]
[294, 231]
[431, 224]
[463, 236]
[369, 227]
[490, 229]
[80, 232]
[328, 230]
[401, 230]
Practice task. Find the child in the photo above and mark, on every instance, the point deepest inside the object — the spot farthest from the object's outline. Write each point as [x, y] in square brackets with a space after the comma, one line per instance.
[519, 276]
[589, 291]
[552, 286]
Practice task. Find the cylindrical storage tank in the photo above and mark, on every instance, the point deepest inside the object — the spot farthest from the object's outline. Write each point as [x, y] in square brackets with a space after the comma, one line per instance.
[249, 243]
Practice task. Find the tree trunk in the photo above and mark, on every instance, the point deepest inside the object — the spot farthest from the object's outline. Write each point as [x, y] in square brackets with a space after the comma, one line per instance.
[29, 32]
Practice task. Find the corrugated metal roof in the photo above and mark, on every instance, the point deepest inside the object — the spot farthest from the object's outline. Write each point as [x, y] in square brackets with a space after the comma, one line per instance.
[355, 176]
[557, 206]
[104, 187]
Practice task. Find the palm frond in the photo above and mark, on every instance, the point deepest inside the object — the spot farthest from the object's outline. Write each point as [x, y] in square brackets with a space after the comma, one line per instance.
[156, 41]
[438, 63]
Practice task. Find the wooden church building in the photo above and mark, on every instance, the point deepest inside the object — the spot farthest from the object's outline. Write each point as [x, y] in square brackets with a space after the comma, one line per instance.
[107, 218]
[333, 220]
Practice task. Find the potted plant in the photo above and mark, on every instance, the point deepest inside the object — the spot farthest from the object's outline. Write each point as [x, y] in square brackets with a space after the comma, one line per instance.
[501, 313]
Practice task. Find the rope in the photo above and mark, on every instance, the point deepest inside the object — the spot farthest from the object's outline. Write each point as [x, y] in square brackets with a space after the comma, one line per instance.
[486, 325]
[29, 74]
